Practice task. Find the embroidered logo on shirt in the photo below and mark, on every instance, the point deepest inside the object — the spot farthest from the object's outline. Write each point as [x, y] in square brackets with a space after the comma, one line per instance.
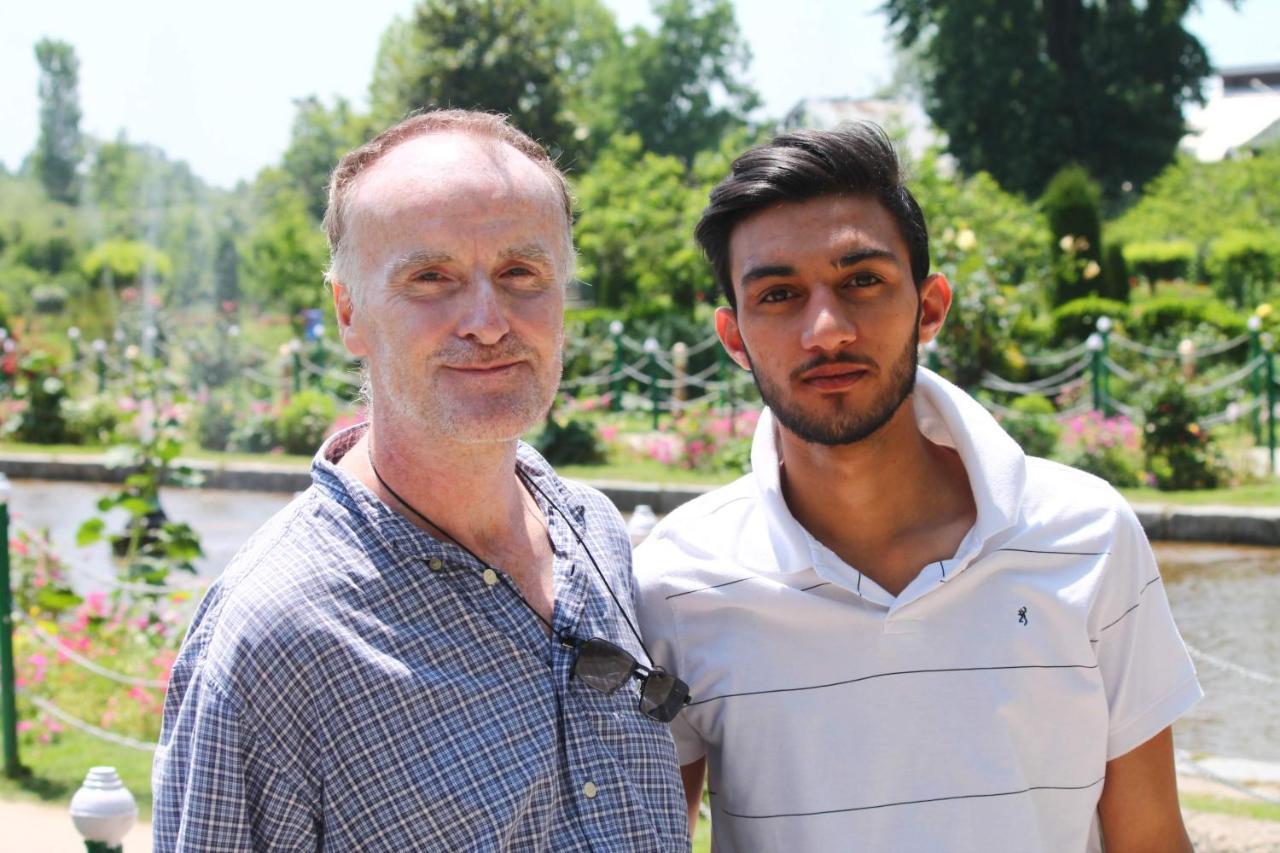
[1022, 616]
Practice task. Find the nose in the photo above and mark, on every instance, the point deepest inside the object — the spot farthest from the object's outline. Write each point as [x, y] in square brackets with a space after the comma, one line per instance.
[484, 319]
[828, 323]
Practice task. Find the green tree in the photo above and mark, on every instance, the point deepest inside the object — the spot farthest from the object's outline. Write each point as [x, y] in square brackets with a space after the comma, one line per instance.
[523, 58]
[680, 87]
[59, 147]
[226, 269]
[286, 252]
[320, 136]
[1072, 204]
[1022, 89]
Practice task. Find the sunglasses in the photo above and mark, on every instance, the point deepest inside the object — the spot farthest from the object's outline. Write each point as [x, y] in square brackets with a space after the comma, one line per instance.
[602, 666]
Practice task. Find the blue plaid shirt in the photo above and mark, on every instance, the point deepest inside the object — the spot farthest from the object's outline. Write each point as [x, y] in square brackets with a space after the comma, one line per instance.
[351, 683]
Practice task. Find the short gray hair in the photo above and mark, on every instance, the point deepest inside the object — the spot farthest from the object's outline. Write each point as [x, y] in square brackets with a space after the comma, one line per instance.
[491, 126]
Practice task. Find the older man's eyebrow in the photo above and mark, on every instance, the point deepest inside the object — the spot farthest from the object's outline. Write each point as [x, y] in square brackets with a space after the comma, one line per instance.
[869, 253]
[420, 258]
[532, 252]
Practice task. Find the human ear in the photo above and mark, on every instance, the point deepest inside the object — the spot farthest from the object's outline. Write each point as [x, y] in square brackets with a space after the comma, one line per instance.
[731, 336]
[935, 302]
[348, 322]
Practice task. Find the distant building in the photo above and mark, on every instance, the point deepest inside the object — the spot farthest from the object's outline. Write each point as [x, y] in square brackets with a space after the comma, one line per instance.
[1242, 114]
[905, 121]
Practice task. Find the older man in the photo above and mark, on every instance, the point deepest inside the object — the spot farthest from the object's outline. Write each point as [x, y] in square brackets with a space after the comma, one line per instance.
[901, 632]
[431, 648]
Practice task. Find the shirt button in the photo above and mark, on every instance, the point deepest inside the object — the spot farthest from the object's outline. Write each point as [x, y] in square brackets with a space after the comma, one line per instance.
[435, 564]
[590, 790]
[490, 577]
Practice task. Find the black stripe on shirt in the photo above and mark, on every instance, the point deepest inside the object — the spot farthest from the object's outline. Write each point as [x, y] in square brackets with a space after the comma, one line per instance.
[1131, 609]
[1063, 553]
[896, 672]
[705, 588]
[918, 802]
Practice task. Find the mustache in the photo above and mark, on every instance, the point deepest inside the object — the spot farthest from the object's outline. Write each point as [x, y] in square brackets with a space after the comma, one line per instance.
[459, 353]
[841, 358]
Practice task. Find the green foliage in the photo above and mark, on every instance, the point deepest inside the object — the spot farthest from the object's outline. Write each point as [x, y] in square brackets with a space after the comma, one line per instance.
[1198, 202]
[226, 270]
[215, 423]
[575, 442]
[1172, 318]
[40, 386]
[319, 138]
[1244, 265]
[635, 231]
[680, 88]
[1162, 260]
[59, 147]
[304, 420]
[1072, 204]
[93, 420]
[123, 263]
[150, 545]
[287, 253]
[508, 56]
[1115, 273]
[49, 299]
[1033, 425]
[1078, 319]
[1179, 454]
[1022, 88]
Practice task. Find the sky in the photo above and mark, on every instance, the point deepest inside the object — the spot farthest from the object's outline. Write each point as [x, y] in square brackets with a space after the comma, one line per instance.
[214, 83]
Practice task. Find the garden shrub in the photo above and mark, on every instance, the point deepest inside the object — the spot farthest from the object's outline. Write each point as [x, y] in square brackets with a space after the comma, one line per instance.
[1034, 425]
[49, 299]
[1078, 319]
[1164, 260]
[1115, 273]
[1072, 203]
[304, 421]
[92, 420]
[40, 386]
[1176, 317]
[215, 424]
[575, 442]
[1179, 453]
[1105, 447]
[1243, 265]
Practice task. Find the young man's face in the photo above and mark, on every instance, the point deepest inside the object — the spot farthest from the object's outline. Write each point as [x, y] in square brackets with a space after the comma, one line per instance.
[828, 316]
[461, 252]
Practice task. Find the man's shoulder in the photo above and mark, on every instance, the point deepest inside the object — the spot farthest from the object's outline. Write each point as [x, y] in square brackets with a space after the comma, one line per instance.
[279, 592]
[698, 536]
[1064, 502]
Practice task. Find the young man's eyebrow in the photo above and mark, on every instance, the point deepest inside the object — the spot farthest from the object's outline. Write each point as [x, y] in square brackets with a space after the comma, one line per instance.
[869, 253]
[756, 273]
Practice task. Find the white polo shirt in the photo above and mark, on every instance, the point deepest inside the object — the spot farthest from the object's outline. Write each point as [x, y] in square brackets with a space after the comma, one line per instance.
[975, 711]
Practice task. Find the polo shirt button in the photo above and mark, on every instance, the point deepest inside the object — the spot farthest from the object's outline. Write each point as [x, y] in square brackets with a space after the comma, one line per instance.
[435, 564]
[490, 577]
[590, 790]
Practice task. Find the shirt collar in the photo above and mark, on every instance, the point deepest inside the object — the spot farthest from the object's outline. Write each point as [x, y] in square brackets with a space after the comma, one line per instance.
[398, 532]
[946, 415]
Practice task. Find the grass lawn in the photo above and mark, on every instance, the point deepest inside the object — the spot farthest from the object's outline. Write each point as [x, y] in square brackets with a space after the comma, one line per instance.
[1253, 809]
[56, 770]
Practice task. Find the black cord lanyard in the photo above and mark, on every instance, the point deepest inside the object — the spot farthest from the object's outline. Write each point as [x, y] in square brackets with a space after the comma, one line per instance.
[528, 484]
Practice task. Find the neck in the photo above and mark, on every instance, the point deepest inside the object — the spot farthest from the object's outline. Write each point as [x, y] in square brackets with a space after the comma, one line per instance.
[469, 490]
[887, 504]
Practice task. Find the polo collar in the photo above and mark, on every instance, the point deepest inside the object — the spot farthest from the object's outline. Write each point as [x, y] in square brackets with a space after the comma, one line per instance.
[947, 416]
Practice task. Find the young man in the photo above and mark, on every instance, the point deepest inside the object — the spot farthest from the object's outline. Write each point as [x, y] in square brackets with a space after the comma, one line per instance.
[899, 631]
[416, 654]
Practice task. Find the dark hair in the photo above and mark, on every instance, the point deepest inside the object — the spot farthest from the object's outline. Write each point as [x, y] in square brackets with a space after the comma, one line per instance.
[855, 159]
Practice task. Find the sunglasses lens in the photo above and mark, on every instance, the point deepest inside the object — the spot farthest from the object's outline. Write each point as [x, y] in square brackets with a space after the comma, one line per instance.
[662, 696]
[603, 666]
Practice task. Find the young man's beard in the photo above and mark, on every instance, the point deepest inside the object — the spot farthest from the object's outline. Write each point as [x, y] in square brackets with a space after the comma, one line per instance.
[846, 426]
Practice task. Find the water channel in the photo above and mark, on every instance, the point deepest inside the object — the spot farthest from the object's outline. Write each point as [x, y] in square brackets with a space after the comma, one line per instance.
[1226, 600]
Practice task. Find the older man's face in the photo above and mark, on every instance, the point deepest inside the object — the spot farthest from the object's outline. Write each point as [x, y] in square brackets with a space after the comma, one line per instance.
[460, 251]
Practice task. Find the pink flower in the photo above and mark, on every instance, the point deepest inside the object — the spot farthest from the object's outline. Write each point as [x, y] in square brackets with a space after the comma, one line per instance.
[25, 726]
[96, 602]
[608, 432]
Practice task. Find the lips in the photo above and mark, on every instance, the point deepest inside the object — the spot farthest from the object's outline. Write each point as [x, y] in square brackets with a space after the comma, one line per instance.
[834, 376]
[492, 368]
